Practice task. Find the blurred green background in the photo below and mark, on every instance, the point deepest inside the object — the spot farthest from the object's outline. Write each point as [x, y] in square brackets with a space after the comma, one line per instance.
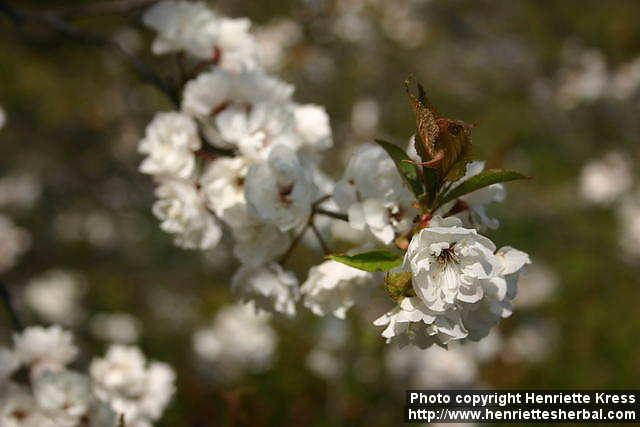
[76, 113]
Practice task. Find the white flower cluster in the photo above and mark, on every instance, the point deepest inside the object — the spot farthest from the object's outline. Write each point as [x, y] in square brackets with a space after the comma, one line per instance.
[241, 154]
[123, 384]
[463, 286]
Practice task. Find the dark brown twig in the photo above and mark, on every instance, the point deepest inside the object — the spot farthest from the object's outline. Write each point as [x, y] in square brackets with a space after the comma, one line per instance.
[8, 303]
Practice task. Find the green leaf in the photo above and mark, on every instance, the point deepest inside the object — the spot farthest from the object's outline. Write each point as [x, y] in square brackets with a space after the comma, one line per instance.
[483, 179]
[405, 165]
[373, 261]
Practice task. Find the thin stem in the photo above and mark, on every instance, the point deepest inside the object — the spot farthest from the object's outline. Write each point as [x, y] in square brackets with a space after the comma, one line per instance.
[337, 215]
[60, 26]
[8, 303]
[323, 244]
[294, 242]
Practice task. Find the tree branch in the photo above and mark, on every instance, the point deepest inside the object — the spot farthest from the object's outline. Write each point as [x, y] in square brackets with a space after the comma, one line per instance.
[55, 23]
[337, 215]
[8, 303]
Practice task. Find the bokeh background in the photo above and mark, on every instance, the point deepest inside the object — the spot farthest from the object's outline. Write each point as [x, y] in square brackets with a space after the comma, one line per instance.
[554, 87]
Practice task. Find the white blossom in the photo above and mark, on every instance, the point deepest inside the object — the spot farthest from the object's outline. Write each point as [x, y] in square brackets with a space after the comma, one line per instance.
[42, 349]
[192, 27]
[212, 92]
[269, 287]
[239, 339]
[602, 181]
[63, 396]
[132, 386]
[256, 243]
[333, 288]
[280, 192]
[181, 209]
[55, 296]
[169, 143]
[223, 186]
[448, 263]
[15, 242]
[374, 195]
[462, 287]
[312, 124]
[18, 408]
[411, 322]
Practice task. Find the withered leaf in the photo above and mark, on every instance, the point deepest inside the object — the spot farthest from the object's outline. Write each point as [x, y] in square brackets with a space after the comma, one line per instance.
[454, 146]
[425, 119]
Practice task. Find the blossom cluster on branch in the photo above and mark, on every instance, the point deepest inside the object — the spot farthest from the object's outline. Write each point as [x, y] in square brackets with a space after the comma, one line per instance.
[242, 157]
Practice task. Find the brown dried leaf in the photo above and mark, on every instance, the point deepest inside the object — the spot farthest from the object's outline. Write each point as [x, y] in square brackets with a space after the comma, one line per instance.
[425, 119]
[454, 140]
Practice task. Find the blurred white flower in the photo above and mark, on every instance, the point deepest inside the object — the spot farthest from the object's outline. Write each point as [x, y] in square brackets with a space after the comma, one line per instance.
[19, 190]
[63, 396]
[333, 288]
[44, 349]
[626, 80]
[274, 39]
[536, 286]
[18, 408]
[181, 209]
[602, 181]
[365, 115]
[531, 342]
[14, 242]
[435, 367]
[239, 339]
[122, 328]
[138, 390]
[629, 217]
[194, 28]
[56, 297]
[269, 287]
[169, 143]
[280, 192]
[324, 363]
[374, 195]
[585, 80]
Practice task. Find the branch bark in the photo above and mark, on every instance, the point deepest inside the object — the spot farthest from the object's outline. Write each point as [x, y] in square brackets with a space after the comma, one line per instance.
[11, 310]
[59, 25]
